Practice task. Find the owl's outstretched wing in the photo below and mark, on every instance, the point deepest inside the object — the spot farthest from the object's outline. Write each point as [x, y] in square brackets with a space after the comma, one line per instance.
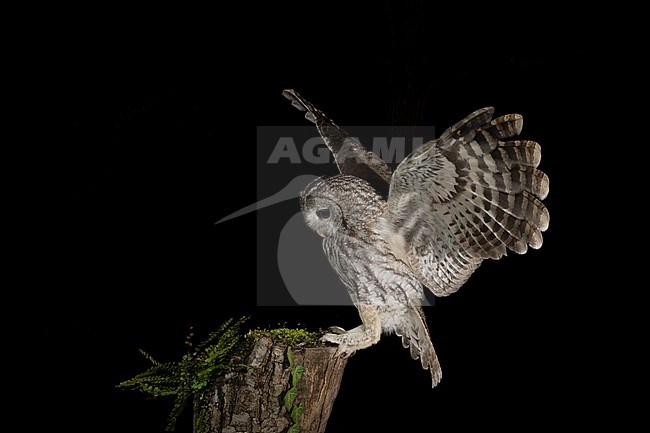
[469, 195]
[351, 156]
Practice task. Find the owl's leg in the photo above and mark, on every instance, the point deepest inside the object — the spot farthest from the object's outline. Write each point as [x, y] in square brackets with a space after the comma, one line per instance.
[360, 337]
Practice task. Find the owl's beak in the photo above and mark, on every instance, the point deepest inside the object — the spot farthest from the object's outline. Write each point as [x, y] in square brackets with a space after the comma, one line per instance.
[320, 234]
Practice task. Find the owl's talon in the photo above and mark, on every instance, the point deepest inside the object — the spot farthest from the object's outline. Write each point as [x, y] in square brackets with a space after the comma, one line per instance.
[343, 350]
[331, 338]
[336, 330]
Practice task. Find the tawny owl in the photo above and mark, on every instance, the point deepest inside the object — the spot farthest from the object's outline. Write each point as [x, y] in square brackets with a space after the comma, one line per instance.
[469, 195]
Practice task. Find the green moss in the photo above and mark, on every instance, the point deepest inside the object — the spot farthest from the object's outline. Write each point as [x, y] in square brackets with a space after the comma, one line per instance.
[295, 337]
[194, 375]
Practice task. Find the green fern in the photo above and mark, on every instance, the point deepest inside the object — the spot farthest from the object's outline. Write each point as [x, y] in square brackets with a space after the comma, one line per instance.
[192, 374]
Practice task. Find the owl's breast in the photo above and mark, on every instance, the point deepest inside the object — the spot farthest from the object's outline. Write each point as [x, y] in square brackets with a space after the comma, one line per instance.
[371, 274]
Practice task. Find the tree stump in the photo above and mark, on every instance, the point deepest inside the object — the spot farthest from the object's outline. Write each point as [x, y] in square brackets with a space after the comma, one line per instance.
[252, 400]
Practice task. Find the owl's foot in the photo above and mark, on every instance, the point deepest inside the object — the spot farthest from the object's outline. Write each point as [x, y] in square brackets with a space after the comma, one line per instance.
[352, 340]
[332, 333]
[330, 337]
[358, 338]
[336, 330]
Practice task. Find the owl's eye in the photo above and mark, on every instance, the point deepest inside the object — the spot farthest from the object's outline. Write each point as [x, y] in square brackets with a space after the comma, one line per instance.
[323, 213]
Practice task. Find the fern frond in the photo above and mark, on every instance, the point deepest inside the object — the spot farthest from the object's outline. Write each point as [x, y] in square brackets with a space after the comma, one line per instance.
[193, 373]
[148, 357]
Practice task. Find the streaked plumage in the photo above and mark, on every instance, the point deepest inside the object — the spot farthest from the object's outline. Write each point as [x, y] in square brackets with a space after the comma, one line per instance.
[472, 194]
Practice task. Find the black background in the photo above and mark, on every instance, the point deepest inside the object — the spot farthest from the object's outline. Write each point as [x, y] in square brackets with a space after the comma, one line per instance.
[139, 115]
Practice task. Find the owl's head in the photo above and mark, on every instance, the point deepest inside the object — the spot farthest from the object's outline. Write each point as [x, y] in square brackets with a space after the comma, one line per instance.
[342, 202]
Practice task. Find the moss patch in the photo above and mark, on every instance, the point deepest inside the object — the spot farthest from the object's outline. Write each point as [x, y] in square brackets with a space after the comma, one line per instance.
[294, 337]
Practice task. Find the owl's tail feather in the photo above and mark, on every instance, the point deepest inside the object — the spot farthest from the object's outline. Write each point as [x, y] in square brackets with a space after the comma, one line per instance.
[415, 336]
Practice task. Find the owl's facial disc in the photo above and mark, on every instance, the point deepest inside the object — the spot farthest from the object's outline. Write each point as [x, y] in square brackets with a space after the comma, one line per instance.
[322, 215]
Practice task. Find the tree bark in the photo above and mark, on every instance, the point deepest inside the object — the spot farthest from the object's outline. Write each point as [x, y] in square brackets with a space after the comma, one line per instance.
[252, 400]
